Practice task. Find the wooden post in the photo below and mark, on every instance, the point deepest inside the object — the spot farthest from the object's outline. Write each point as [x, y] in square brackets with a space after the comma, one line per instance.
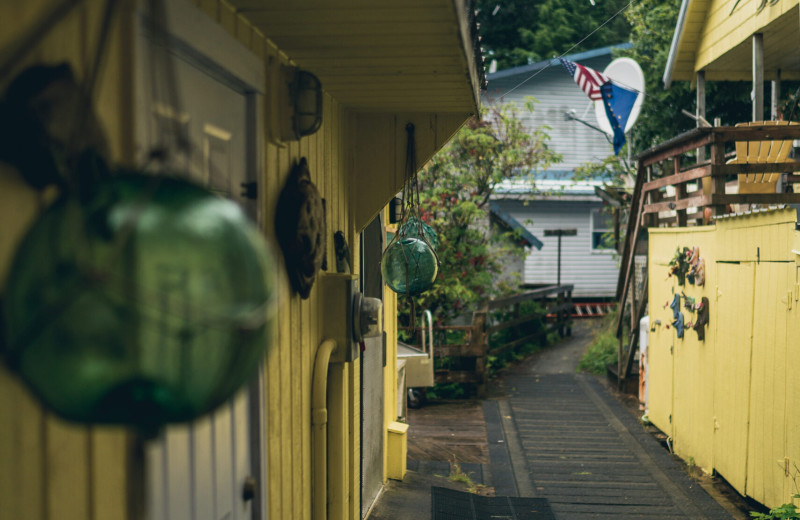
[568, 312]
[560, 314]
[701, 109]
[775, 96]
[680, 193]
[758, 77]
[717, 181]
[480, 340]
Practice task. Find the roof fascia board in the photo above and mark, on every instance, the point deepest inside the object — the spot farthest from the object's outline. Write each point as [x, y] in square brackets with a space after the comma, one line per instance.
[676, 39]
[522, 69]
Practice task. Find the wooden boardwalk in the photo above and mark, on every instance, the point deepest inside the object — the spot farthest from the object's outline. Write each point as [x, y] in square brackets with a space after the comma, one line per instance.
[591, 459]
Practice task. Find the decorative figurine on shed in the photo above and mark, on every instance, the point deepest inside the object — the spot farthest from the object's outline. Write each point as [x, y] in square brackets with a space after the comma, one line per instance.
[300, 228]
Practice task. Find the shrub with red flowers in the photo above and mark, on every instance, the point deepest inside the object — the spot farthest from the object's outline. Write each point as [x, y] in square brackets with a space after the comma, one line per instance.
[455, 188]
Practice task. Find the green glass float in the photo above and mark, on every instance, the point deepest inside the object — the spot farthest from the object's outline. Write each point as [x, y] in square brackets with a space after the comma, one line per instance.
[149, 302]
[409, 264]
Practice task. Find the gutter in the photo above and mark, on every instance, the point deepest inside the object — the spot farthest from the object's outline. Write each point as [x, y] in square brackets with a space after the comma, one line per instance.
[673, 48]
[319, 430]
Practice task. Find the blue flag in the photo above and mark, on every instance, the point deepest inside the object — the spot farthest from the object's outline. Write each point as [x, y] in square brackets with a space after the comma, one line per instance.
[618, 102]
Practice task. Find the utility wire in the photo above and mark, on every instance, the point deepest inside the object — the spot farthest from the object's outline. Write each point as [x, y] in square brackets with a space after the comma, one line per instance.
[512, 89]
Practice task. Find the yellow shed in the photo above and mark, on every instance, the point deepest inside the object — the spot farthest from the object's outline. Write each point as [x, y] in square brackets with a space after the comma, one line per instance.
[728, 401]
[381, 65]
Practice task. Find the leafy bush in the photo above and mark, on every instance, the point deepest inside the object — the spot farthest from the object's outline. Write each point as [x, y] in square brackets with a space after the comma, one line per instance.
[786, 511]
[604, 349]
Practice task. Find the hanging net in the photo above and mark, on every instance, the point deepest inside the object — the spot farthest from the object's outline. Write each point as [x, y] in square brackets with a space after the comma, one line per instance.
[409, 265]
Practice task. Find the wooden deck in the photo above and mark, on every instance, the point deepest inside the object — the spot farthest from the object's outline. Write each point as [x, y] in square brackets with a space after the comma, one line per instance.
[444, 431]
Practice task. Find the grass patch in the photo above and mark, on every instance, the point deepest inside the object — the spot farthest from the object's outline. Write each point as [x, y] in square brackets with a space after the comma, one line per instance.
[604, 348]
[457, 475]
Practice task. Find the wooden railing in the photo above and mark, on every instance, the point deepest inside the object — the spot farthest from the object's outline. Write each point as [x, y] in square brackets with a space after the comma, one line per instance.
[673, 164]
[498, 328]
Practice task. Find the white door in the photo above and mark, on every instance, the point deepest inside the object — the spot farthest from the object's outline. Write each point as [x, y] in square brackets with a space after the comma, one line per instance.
[373, 361]
[208, 469]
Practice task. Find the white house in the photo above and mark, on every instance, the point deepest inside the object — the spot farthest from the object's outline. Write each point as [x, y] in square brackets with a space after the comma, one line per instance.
[558, 202]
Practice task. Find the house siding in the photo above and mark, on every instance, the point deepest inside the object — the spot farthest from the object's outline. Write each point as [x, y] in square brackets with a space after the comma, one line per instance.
[557, 94]
[594, 274]
[53, 470]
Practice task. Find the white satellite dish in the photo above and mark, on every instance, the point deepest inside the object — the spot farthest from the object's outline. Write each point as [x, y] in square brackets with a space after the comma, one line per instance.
[626, 73]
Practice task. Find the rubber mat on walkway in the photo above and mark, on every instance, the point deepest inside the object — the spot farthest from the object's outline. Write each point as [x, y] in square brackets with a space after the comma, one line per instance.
[448, 504]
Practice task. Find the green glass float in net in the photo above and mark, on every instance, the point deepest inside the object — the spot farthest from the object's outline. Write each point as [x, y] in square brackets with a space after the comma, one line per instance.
[409, 264]
[150, 303]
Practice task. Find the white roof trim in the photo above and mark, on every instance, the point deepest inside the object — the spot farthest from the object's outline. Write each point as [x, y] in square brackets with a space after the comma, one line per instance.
[673, 48]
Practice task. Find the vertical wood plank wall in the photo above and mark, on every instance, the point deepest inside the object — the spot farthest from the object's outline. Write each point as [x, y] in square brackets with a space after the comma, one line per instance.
[730, 403]
[50, 469]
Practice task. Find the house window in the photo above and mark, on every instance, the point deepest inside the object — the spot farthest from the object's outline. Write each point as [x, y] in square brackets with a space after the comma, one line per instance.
[602, 226]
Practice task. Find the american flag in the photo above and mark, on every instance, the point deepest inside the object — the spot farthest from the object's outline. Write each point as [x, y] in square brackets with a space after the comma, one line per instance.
[588, 79]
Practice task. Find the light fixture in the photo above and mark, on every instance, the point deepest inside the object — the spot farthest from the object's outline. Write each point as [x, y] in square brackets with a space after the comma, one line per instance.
[302, 103]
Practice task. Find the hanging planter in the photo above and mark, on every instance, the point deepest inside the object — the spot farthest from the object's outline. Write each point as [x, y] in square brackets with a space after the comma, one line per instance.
[149, 303]
[409, 264]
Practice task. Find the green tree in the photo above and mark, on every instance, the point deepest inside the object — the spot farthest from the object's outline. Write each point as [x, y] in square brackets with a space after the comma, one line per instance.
[519, 32]
[652, 26]
[455, 188]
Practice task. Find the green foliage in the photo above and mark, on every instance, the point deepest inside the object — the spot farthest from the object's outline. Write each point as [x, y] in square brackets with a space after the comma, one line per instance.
[604, 349]
[455, 187]
[502, 337]
[522, 32]
[652, 27]
[786, 511]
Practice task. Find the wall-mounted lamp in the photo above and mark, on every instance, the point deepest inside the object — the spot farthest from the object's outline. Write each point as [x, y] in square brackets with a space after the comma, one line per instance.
[302, 103]
[395, 210]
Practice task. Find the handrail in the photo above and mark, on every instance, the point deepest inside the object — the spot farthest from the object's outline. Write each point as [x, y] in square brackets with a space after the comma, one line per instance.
[427, 314]
[649, 197]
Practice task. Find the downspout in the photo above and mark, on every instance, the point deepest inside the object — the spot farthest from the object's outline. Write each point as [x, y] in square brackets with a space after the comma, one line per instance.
[319, 430]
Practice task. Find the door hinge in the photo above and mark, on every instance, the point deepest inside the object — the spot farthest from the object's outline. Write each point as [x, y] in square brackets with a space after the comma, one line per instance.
[250, 190]
[670, 418]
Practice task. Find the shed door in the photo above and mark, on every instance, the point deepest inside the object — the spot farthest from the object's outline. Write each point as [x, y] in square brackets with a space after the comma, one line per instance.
[198, 471]
[373, 360]
[732, 371]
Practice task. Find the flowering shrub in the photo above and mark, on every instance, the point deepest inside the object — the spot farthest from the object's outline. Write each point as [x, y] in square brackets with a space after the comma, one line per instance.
[455, 188]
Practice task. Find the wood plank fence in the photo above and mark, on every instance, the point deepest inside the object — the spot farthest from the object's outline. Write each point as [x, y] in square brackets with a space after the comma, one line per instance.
[499, 327]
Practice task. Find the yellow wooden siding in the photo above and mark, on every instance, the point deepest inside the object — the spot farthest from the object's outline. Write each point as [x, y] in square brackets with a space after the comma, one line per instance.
[685, 373]
[51, 470]
[732, 398]
[767, 448]
[661, 339]
[724, 30]
[48, 469]
[792, 403]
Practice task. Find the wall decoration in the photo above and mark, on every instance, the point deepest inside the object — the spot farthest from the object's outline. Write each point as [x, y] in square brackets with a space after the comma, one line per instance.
[409, 264]
[300, 226]
[342, 253]
[678, 324]
[679, 265]
[702, 319]
[148, 302]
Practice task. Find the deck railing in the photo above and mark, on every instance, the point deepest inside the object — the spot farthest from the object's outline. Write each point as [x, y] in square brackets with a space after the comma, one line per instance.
[670, 190]
[500, 327]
